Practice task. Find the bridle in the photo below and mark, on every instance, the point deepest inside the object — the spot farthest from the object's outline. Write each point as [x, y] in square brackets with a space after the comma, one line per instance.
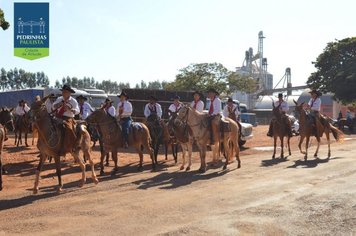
[186, 117]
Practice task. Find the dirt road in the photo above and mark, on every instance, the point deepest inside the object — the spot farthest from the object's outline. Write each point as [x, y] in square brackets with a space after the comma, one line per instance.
[264, 197]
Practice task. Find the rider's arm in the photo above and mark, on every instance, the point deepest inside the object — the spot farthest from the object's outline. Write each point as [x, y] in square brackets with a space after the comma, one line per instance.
[159, 110]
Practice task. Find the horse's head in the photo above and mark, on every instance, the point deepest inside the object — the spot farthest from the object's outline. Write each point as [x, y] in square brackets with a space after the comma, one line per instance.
[37, 110]
[7, 118]
[96, 117]
[298, 110]
[182, 114]
[276, 110]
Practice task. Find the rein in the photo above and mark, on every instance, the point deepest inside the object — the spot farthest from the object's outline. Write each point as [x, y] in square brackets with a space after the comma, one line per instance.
[186, 119]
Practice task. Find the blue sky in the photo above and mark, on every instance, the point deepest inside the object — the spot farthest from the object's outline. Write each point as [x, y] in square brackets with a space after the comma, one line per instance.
[134, 40]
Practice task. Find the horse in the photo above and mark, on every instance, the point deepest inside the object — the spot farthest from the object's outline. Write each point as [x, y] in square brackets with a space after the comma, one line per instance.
[181, 133]
[22, 125]
[198, 122]
[7, 118]
[139, 136]
[159, 134]
[307, 129]
[280, 130]
[2, 140]
[50, 142]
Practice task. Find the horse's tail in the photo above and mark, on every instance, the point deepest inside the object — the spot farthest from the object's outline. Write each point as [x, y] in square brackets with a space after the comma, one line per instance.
[338, 134]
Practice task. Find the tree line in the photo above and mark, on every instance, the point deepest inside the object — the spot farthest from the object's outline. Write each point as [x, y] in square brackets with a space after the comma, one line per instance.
[21, 79]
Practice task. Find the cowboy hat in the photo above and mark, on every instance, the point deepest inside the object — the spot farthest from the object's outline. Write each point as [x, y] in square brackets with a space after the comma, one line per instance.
[21, 101]
[176, 97]
[316, 92]
[68, 88]
[123, 94]
[51, 95]
[230, 100]
[280, 95]
[212, 90]
[198, 93]
[82, 97]
[153, 98]
[108, 100]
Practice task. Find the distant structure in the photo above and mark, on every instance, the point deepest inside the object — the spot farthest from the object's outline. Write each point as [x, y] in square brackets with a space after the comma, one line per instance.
[255, 66]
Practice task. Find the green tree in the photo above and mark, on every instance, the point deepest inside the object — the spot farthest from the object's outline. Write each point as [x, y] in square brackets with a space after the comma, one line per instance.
[241, 83]
[154, 85]
[336, 70]
[201, 77]
[3, 23]
[3, 79]
[57, 84]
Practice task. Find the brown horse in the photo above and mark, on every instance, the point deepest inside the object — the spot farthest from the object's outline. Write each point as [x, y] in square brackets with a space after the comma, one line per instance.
[308, 129]
[7, 118]
[181, 133]
[2, 139]
[280, 130]
[50, 143]
[22, 125]
[139, 137]
[198, 122]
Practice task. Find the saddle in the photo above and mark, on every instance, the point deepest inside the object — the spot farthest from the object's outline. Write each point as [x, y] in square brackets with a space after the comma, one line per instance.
[225, 126]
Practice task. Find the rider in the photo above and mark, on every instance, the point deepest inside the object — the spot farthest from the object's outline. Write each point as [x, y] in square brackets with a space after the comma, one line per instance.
[197, 104]
[153, 108]
[124, 111]
[21, 110]
[66, 108]
[175, 106]
[109, 108]
[85, 109]
[314, 106]
[49, 103]
[231, 110]
[214, 113]
[283, 109]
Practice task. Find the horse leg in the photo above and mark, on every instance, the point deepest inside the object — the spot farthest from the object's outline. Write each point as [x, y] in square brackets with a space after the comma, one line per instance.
[306, 147]
[175, 153]
[274, 146]
[227, 154]
[80, 161]
[202, 148]
[282, 146]
[26, 139]
[300, 144]
[107, 158]
[115, 158]
[140, 154]
[237, 153]
[93, 175]
[190, 150]
[57, 161]
[166, 151]
[0, 172]
[288, 143]
[183, 146]
[38, 171]
[318, 145]
[102, 156]
[327, 134]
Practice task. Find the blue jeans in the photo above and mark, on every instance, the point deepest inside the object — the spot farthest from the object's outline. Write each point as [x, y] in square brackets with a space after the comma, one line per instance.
[125, 125]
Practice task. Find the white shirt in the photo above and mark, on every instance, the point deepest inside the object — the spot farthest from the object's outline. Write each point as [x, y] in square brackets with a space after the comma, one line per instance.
[234, 109]
[85, 110]
[71, 103]
[49, 105]
[284, 106]
[174, 108]
[20, 111]
[111, 111]
[126, 107]
[153, 108]
[315, 104]
[216, 106]
[199, 105]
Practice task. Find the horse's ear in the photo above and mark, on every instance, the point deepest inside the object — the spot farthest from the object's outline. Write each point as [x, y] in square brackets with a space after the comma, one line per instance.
[295, 102]
[11, 109]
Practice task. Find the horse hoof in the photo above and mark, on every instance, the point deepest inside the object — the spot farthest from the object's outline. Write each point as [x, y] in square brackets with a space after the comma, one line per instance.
[238, 166]
[182, 168]
[290, 153]
[188, 168]
[96, 181]
[107, 164]
[139, 168]
[282, 156]
[102, 173]
[225, 166]
[202, 170]
[315, 155]
[35, 190]
[81, 184]
[59, 189]
[273, 157]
